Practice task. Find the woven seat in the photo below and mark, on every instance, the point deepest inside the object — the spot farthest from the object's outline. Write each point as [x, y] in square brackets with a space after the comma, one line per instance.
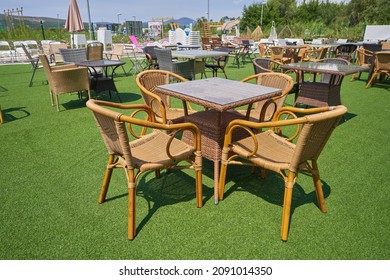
[147, 81]
[149, 151]
[264, 110]
[273, 151]
[65, 79]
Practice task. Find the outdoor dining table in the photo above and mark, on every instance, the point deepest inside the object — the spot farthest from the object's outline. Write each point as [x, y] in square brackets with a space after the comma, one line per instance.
[105, 82]
[218, 96]
[326, 91]
[199, 57]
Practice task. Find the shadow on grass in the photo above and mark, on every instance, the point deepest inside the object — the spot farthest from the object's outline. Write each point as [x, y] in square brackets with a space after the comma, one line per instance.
[174, 186]
[271, 189]
[14, 114]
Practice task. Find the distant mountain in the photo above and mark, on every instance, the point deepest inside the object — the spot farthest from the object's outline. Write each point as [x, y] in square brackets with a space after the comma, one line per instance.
[184, 21]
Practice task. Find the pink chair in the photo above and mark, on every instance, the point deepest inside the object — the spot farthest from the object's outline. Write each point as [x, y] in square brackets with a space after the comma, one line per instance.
[137, 45]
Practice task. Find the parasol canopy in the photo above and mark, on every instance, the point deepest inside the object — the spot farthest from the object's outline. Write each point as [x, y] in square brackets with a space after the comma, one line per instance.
[273, 36]
[74, 23]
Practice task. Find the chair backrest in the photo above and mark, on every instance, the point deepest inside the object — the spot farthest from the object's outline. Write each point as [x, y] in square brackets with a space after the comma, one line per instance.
[314, 135]
[386, 46]
[151, 51]
[134, 40]
[262, 65]
[182, 68]
[95, 51]
[262, 50]
[276, 53]
[46, 67]
[275, 80]
[117, 51]
[345, 51]
[32, 60]
[55, 51]
[374, 47]
[382, 61]
[325, 78]
[364, 57]
[147, 81]
[74, 55]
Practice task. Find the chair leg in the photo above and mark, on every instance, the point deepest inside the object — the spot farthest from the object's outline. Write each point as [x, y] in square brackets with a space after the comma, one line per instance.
[106, 180]
[199, 192]
[372, 79]
[288, 190]
[1, 116]
[318, 187]
[58, 103]
[32, 77]
[222, 178]
[131, 232]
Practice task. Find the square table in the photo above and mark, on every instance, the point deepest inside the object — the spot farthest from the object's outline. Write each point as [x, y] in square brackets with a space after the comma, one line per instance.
[218, 96]
[325, 92]
[195, 55]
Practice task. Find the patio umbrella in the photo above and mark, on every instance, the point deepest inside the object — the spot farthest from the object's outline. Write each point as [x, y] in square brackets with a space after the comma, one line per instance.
[74, 23]
[273, 36]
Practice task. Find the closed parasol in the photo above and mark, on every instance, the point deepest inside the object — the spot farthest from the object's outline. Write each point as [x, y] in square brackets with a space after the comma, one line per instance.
[273, 35]
[74, 23]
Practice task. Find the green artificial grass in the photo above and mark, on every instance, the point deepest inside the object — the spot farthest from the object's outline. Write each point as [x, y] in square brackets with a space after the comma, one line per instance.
[52, 167]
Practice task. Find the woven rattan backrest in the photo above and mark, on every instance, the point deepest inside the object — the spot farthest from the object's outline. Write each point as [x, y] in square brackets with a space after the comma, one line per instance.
[95, 51]
[164, 59]
[150, 80]
[325, 78]
[276, 53]
[314, 135]
[382, 61]
[261, 65]
[46, 66]
[74, 55]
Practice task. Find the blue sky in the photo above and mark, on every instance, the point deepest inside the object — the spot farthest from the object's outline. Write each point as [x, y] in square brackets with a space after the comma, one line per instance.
[108, 10]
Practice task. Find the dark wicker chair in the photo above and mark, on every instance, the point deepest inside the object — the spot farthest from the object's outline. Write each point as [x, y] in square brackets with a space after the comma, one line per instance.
[186, 69]
[345, 51]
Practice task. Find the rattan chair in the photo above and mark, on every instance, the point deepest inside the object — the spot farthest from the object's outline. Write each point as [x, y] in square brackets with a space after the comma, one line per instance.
[95, 51]
[65, 79]
[264, 65]
[272, 151]
[264, 110]
[55, 55]
[74, 55]
[381, 67]
[147, 81]
[278, 54]
[185, 69]
[149, 151]
[151, 57]
[364, 58]
[314, 55]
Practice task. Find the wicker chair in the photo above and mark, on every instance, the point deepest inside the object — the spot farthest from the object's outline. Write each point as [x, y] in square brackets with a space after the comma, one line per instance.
[325, 78]
[185, 69]
[264, 65]
[220, 62]
[271, 151]
[95, 51]
[264, 110]
[147, 81]
[153, 151]
[65, 79]
[151, 57]
[364, 58]
[314, 55]
[116, 54]
[55, 55]
[381, 67]
[263, 51]
[74, 55]
[277, 54]
[345, 51]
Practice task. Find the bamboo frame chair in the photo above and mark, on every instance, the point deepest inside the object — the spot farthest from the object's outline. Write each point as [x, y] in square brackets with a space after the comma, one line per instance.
[264, 110]
[364, 58]
[147, 81]
[272, 151]
[277, 54]
[381, 66]
[148, 152]
[65, 79]
[314, 55]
